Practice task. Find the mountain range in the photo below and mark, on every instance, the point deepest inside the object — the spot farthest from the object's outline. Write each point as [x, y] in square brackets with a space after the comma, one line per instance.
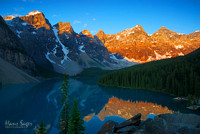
[136, 45]
[60, 48]
[67, 51]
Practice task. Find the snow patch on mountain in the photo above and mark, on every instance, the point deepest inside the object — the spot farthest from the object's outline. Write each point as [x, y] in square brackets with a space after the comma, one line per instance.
[24, 23]
[18, 33]
[112, 56]
[133, 60]
[76, 41]
[81, 49]
[131, 32]
[116, 58]
[180, 54]
[150, 58]
[64, 49]
[179, 46]
[47, 57]
[117, 63]
[54, 50]
[137, 26]
[33, 13]
[165, 56]
[66, 36]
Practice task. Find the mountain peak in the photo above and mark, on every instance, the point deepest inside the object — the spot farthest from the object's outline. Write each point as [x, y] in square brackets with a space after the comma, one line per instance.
[87, 33]
[64, 27]
[36, 19]
[135, 28]
[33, 13]
[163, 27]
[164, 30]
[9, 17]
[85, 30]
[100, 32]
[138, 26]
[101, 35]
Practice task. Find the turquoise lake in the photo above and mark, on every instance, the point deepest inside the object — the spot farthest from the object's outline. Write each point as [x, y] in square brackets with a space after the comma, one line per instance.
[31, 103]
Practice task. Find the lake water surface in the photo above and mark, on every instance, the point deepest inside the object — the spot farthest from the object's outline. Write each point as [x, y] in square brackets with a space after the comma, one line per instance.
[28, 104]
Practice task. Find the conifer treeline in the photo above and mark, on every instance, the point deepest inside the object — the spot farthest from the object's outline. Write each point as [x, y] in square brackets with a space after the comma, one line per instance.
[179, 76]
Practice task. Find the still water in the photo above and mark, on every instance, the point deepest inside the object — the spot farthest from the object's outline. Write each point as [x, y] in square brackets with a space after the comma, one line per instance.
[25, 105]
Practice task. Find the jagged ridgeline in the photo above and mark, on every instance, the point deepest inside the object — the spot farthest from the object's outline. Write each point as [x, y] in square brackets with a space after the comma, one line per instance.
[179, 76]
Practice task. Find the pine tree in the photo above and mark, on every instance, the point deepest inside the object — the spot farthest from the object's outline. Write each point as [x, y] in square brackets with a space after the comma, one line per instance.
[76, 121]
[40, 129]
[64, 121]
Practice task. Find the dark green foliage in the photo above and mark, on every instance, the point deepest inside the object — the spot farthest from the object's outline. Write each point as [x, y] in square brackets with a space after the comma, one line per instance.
[92, 72]
[40, 129]
[69, 124]
[64, 121]
[76, 121]
[45, 71]
[192, 100]
[189, 101]
[179, 76]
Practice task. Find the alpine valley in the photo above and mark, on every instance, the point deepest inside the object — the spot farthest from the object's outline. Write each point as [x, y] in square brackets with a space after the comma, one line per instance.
[30, 43]
[128, 83]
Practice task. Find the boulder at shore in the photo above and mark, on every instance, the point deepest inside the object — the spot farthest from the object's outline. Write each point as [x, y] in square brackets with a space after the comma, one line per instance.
[161, 124]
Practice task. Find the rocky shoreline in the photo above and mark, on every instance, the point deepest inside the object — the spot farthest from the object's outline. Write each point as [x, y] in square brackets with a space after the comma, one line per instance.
[176, 123]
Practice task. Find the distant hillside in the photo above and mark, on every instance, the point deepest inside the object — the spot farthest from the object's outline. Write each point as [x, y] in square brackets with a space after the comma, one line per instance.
[10, 74]
[179, 76]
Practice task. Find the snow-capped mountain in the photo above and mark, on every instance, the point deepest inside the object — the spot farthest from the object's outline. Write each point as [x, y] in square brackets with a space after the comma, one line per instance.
[70, 52]
[136, 45]
[59, 45]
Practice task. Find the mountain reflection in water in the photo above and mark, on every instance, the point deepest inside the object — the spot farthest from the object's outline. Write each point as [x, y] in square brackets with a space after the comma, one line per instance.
[127, 109]
[41, 101]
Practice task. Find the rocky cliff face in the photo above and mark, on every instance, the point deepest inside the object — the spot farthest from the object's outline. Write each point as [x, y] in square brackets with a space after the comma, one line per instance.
[36, 19]
[13, 51]
[136, 45]
[87, 33]
[64, 27]
[102, 36]
[59, 46]
[35, 41]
